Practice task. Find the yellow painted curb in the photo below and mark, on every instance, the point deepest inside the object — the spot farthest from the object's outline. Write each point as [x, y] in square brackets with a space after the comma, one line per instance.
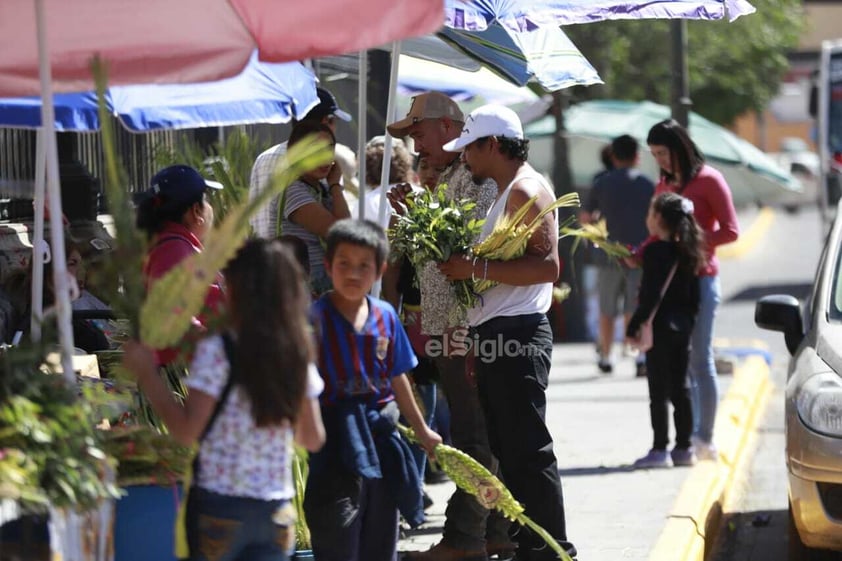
[748, 239]
[693, 519]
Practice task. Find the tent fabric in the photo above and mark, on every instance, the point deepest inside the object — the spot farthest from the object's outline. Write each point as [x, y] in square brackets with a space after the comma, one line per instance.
[524, 16]
[262, 93]
[190, 41]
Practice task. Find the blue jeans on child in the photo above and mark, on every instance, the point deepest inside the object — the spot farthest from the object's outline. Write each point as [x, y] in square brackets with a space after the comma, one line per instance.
[226, 528]
[704, 386]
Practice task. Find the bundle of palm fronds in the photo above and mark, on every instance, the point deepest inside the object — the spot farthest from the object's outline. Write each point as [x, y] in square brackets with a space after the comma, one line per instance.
[473, 478]
[433, 228]
[597, 234]
[510, 235]
[300, 470]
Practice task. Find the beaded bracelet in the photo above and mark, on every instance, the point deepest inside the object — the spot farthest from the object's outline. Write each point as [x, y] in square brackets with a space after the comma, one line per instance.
[485, 271]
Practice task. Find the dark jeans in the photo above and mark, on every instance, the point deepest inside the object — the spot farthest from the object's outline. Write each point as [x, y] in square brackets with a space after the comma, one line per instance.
[468, 525]
[427, 393]
[666, 366]
[512, 372]
[225, 528]
[351, 518]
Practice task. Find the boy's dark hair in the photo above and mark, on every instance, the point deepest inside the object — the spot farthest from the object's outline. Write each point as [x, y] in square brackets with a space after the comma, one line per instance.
[685, 155]
[364, 233]
[269, 303]
[302, 129]
[683, 229]
[624, 148]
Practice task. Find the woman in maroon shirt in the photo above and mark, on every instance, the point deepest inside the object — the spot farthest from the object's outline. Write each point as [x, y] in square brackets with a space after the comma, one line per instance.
[175, 214]
[684, 171]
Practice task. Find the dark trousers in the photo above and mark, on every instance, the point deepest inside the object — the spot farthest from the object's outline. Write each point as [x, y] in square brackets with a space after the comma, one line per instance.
[468, 525]
[226, 528]
[666, 366]
[351, 518]
[513, 365]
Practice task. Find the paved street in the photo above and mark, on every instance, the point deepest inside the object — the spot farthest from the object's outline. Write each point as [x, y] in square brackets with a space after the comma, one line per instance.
[787, 257]
[601, 424]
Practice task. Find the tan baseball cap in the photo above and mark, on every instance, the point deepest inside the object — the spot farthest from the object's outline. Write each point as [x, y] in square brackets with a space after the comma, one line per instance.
[429, 105]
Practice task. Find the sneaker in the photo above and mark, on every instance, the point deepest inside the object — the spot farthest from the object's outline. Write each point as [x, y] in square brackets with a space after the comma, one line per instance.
[705, 451]
[683, 457]
[640, 370]
[654, 459]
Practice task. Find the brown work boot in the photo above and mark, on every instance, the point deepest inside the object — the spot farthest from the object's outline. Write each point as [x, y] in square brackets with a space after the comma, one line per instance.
[500, 551]
[443, 552]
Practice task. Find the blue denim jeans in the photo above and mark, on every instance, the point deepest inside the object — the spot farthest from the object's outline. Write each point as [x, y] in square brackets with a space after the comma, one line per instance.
[704, 386]
[226, 528]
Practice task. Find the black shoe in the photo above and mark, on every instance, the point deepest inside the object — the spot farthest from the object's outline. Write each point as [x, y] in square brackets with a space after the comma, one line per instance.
[428, 501]
[433, 477]
[641, 370]
[605, 366]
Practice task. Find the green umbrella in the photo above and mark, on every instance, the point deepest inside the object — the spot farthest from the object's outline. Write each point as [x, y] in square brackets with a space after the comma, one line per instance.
[751, 173]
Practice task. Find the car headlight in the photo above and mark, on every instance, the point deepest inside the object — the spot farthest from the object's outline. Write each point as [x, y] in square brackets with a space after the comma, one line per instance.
[819, 403]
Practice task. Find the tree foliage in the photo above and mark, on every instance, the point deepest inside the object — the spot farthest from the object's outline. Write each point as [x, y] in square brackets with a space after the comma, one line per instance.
[733, 67]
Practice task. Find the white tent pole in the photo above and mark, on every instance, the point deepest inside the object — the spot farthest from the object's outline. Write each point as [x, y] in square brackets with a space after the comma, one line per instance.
[60, 280]
[387, 146]
[38, 255]
[362, 114]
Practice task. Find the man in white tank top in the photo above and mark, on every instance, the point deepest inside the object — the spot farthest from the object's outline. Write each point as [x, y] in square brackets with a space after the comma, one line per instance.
[471, 532]
[512, 340]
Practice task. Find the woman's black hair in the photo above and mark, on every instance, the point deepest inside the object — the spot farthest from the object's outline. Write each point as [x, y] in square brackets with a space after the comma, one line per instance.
[677, 217]
[685, 155]
[302, 129]
[269, 301]
[154, 211]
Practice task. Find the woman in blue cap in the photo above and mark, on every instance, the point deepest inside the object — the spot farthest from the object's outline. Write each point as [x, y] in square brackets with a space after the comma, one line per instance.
[175, 214]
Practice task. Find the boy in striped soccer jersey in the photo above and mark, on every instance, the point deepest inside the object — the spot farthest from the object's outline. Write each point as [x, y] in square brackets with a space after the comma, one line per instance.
[364, 474]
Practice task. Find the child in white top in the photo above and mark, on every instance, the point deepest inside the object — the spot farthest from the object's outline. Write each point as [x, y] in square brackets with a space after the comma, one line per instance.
[253, 390]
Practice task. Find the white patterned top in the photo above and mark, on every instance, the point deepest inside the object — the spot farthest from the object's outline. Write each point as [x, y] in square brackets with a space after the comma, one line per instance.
[236, 457]
[439, 311]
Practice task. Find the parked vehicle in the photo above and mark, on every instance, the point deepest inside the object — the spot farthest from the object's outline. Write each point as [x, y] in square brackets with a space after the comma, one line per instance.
[813, 417]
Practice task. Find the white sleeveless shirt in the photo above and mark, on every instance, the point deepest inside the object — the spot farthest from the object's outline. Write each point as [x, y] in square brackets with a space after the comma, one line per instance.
[505, 300]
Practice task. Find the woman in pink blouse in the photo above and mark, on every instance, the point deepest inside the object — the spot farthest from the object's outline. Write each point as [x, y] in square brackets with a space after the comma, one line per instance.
[684, 171]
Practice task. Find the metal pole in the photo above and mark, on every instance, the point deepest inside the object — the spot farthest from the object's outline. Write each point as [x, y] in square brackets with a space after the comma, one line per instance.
[60, 280]
[680, 79]
[362, 119]
[39, 255]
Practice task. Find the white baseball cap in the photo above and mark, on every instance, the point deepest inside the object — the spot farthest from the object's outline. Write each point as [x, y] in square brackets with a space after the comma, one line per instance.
[488, 120]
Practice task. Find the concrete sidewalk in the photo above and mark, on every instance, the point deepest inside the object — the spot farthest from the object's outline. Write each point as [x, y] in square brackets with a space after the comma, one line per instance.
[600, 424]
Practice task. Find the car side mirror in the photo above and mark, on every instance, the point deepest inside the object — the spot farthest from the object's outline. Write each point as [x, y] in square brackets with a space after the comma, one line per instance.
[781, 312]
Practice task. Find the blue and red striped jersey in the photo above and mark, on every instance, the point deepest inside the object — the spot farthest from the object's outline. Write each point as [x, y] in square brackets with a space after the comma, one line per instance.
[360, 364]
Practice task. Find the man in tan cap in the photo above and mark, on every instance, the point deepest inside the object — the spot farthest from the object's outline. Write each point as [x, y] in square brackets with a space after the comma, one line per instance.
[470, 531]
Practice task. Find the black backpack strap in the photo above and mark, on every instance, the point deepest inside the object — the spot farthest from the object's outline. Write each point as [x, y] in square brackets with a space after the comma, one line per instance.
[220, 403]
